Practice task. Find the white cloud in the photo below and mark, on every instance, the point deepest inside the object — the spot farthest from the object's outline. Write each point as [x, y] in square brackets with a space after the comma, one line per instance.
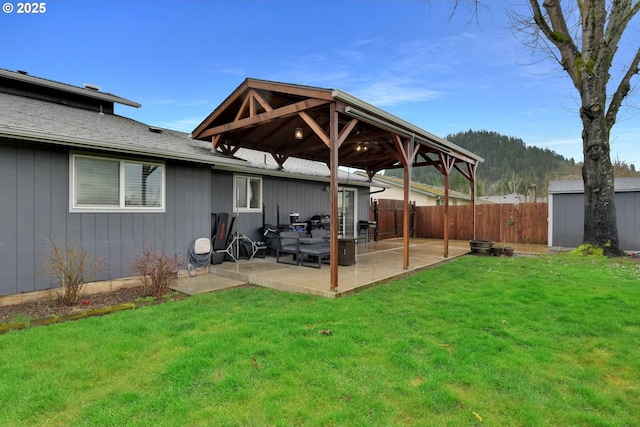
[184, 125]
[178, 103]
[393, 92]
[232, 71]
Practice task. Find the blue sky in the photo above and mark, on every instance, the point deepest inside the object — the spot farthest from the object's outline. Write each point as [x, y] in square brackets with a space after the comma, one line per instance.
[181, 59]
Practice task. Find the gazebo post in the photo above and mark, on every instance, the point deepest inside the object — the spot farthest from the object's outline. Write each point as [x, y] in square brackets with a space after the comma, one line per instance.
[447, 166]
[409, 156]
[472, 174]
[407, 153]
[446, 215]
[334, 224]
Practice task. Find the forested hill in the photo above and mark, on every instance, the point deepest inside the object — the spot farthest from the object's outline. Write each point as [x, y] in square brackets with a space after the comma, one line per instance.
[510, 166]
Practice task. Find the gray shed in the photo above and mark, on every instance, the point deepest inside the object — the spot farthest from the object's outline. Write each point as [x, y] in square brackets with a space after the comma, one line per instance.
[566, 213]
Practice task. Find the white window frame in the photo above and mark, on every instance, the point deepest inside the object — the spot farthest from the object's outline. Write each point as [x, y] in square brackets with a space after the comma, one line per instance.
[74, 207]
[246, 208]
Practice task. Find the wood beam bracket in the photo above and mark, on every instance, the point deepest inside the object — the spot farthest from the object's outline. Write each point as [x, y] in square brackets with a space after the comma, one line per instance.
[470, 173]
[406, 150]
[250, 103]
[315, 127]
[228, 148]
[447, 163]
[280, 159]
[215, 140]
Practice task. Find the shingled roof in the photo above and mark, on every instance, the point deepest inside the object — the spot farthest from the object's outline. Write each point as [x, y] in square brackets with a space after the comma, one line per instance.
[36, 120]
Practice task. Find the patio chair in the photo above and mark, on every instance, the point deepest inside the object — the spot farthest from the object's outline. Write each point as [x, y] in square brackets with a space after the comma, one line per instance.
[317, 246]
[292, 242]
[288, 242]
[314, 247]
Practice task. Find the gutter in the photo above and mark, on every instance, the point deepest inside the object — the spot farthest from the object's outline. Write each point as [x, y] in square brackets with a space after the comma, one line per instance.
[244, 168]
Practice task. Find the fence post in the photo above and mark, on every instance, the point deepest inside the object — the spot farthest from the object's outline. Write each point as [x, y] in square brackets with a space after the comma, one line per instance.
[395, 222]
[412, 212]
[375, 218]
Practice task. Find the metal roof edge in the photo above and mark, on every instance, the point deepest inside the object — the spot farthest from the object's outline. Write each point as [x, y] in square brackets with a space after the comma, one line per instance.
[90, 93]
[254, 82]
[576, 186]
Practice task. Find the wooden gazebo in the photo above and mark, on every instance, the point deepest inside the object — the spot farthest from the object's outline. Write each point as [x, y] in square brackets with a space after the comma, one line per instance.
[336, 128]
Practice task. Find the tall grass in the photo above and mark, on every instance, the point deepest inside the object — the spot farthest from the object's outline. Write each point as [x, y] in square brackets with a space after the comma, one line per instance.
[518, 341]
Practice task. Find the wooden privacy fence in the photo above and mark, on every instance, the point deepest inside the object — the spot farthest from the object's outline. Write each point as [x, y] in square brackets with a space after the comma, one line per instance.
[508, 223]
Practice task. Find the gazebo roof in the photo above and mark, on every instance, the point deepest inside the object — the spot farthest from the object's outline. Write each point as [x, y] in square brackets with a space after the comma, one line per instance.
[264, 115]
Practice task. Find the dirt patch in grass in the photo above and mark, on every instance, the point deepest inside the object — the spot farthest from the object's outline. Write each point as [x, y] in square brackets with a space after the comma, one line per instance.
[33, 310]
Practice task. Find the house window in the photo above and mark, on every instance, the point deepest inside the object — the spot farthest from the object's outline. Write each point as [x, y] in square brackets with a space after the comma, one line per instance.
[101, 184]
[440, 202]
[248, 193]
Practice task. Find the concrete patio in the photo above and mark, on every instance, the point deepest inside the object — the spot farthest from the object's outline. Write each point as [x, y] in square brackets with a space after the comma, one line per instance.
[376, 262]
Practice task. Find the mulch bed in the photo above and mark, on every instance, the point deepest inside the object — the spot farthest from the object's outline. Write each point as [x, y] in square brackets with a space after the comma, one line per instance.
[39, 312]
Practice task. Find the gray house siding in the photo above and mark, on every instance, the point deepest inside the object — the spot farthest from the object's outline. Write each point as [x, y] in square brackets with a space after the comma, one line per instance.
[567, 213]
[308, 198]
[34, 182]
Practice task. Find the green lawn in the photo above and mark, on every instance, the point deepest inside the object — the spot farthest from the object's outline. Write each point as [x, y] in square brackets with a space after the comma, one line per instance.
[524, 341]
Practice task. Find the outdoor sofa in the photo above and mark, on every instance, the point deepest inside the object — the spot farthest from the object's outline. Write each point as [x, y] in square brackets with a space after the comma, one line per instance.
[301, 246]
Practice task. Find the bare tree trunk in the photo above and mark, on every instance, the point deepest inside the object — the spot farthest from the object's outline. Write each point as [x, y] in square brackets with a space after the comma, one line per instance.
[600, 227]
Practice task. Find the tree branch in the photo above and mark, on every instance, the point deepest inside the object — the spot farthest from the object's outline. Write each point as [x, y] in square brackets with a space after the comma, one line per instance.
[623, 89]
[621, 13]
[557, 32]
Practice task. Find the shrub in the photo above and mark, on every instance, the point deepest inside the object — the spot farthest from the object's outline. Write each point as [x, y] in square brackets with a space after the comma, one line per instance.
[157, 271]
[73, 269]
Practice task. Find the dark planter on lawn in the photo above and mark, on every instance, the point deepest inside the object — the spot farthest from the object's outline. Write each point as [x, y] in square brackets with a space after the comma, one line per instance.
[481, 247]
